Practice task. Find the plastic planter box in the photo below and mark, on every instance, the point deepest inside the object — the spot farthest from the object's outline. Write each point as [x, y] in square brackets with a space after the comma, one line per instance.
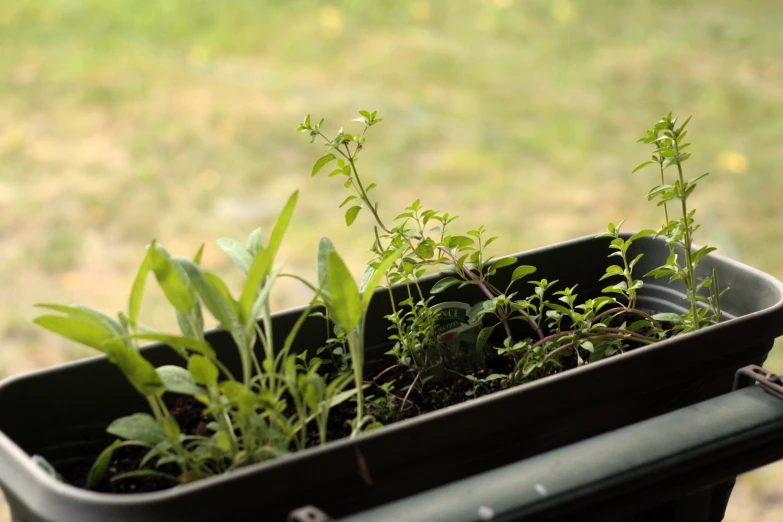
[664, 469]
[61, 412]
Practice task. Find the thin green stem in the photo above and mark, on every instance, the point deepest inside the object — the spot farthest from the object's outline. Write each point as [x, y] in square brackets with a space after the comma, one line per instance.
[626, 310]
[663, 182]
[686, 238]
[596, 338]
[356, 345]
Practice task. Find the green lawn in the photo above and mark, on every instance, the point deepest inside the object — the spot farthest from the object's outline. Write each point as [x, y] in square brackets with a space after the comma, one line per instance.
[121, 121]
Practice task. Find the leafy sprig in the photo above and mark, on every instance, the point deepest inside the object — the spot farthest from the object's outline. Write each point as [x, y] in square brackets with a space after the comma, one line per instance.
[669, 141]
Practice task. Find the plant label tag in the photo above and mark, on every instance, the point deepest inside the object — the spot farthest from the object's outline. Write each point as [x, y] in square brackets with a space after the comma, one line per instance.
[453, 320]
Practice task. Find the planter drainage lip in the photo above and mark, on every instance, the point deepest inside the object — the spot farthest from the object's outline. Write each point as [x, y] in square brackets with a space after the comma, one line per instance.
[35, 486]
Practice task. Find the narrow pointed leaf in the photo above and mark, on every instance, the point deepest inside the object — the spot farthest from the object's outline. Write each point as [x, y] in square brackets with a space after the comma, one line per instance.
[376, 277]
[344, 298]
[522, 271]
[238, 253]
[322, 161]
[137, 290]
[262, 264]
[170, 280]
[444, 283]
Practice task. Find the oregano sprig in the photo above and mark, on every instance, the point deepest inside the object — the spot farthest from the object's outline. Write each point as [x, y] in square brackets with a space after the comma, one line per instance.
[669, 141]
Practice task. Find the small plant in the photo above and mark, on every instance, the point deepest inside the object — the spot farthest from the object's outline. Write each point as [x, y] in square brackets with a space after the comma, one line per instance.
[669, 142]
[270, 407]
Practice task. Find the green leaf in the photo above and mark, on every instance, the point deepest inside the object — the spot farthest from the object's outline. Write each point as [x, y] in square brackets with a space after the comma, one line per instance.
[322, 161]
[222, 440]
[263, 297]
[641, 234]
[503, 262]
[176, 341]
[325, 247]
[179, 380]
[522, 271]
[483, 337]
[77, 329]
[669, 317]
[238, 253]
[619, 288]
[137, 290]
[444, 283]
[369, 272]
[635, 260]
[203, 370]
[694, 180]
[255, 242]
[88, 315]
[459, 242]
[171, 281]
[614, 270]
[351, 213]
[171, 428]
[641, 166]
[138, 370]
[216, 298]
[700, 253]
[425, 249]
[199, 254]
[262, 263]
[346, 200]
[344, 298]
[683, 125]
[101, 465]
[375, 279]
[137, 427]
[528, 368]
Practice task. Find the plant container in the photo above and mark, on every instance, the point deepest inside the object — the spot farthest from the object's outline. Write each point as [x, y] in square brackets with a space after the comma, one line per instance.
[633, 474]
[61, 413]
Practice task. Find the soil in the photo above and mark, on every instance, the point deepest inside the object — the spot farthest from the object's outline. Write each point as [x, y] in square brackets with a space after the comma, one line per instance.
[446, 390]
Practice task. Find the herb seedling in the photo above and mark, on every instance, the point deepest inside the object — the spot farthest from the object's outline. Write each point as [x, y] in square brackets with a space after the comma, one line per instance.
[267, 409]
[669, 142]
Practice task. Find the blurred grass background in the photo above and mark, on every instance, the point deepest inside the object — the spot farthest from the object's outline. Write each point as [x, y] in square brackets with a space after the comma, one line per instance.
[123, 121]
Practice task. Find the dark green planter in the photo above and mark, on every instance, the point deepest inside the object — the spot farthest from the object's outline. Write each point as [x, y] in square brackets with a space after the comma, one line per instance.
[58, 414]
[671, 468]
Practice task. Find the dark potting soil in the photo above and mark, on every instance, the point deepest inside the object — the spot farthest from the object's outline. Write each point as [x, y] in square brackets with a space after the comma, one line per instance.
[189, 415]
[439, 393]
